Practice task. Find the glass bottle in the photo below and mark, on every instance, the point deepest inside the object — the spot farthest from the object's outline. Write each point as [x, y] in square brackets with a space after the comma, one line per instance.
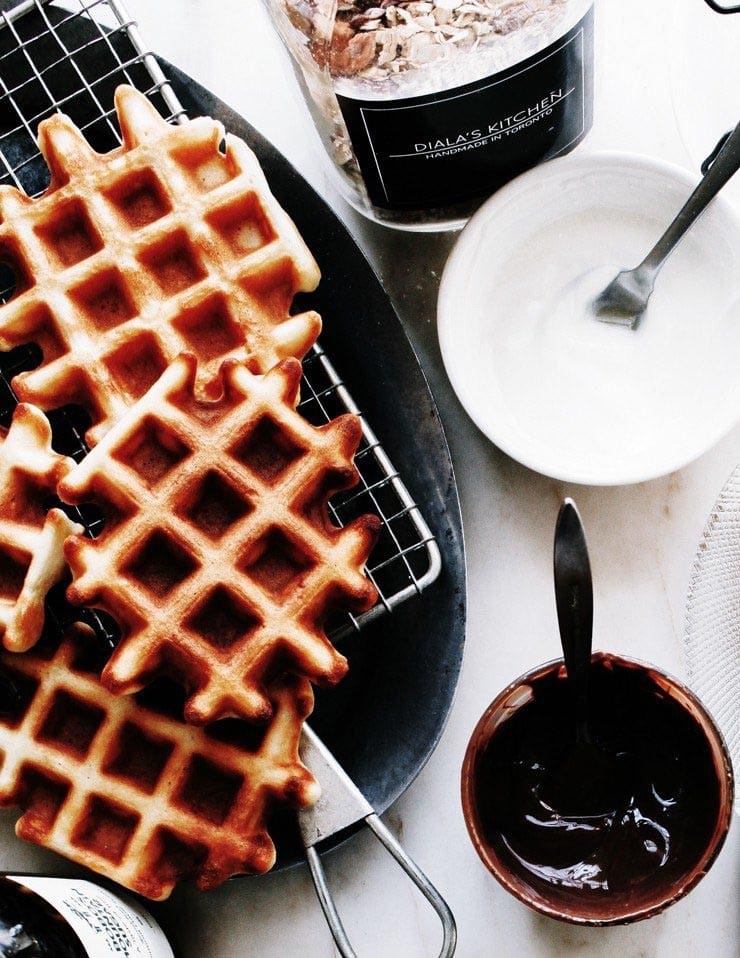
[43, 917]
[426, 107]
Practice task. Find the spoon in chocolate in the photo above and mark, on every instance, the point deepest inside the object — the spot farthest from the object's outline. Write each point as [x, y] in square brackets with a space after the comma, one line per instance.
[575, 604]
[584, 781]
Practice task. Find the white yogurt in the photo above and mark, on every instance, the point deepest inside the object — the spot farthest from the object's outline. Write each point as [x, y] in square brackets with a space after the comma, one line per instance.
[562, 392]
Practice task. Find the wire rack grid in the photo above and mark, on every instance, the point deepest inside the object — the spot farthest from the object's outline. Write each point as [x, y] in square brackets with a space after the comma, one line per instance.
[71, 56]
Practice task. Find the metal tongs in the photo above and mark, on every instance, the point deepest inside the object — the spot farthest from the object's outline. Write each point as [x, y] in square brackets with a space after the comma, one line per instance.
[340, 805]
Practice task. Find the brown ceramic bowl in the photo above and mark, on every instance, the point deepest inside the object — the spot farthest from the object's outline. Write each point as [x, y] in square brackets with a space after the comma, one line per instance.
[637, 863]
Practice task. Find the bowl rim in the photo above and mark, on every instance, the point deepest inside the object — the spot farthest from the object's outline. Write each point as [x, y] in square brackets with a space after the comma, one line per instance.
[457, 265]
[559, 912]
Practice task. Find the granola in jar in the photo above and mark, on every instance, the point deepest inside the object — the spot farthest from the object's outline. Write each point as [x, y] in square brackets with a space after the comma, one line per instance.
[359, 59]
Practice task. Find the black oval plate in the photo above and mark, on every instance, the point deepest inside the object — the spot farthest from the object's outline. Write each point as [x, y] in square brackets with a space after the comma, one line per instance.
[384, 719]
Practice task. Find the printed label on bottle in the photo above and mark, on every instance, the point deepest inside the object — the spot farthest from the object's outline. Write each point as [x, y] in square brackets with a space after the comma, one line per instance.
[446, 148]
[108, 926]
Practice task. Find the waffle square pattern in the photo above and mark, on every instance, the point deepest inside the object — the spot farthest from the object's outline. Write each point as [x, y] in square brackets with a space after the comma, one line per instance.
[128, 789]
[31, 539]
[218, 557]
[172, 242]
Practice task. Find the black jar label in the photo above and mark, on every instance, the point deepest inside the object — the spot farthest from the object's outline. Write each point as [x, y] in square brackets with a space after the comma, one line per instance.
[449, 147]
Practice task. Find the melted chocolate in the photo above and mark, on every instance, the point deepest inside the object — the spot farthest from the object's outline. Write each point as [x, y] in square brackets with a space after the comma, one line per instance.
[636, 806]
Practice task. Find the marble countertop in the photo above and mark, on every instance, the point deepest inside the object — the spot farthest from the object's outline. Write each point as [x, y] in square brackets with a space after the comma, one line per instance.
[642, 540]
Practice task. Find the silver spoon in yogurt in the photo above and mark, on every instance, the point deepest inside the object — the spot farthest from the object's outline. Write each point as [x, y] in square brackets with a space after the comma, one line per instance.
[625, 299]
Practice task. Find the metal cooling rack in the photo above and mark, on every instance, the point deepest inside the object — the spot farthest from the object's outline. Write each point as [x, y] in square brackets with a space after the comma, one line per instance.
[71, 56]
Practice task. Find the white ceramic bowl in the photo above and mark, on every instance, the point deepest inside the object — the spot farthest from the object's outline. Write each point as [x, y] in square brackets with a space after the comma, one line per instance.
[563, 394]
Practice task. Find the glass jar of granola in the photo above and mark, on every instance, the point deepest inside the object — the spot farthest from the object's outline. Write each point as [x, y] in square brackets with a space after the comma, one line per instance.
[426, 107]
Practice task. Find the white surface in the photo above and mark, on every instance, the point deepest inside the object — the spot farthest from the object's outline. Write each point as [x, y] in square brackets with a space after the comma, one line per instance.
[567, 395]
[642, 541]
[707, 109]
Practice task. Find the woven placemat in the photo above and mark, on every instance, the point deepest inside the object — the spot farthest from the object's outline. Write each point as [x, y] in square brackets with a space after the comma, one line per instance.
[712, 627]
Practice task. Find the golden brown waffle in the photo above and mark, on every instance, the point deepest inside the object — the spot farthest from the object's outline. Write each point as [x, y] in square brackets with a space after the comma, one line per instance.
[137, 794]
[218, 558]
[164, 245]
[31, 539]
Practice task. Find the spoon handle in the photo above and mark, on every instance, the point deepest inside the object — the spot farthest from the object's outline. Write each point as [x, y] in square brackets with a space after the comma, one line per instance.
[724, 166]
[575, 604]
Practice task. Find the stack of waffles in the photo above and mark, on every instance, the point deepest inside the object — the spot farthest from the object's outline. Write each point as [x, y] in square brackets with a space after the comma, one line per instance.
[157, 281]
